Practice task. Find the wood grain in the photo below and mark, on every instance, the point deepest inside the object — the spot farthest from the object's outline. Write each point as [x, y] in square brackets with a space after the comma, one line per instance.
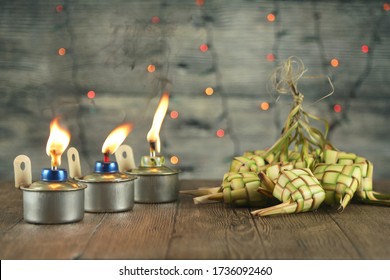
[312, 235]
[29, 241]
[142, 233]
[214, 231]
[182, 230]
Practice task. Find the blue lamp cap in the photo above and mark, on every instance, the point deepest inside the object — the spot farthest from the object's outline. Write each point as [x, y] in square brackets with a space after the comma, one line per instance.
[51, 175]
[106, 167]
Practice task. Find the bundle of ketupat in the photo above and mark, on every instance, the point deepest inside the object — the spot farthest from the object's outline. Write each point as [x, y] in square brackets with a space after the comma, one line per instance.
[302, 169]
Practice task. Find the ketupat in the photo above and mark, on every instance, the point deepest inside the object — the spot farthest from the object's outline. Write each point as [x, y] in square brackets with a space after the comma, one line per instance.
[302, 169]
[237, 189]
[297, 188]
[364, 192]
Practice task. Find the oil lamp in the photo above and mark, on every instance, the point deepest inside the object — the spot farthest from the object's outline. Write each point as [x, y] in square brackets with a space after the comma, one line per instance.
[54, 199]
[108, 190]
[156, 182]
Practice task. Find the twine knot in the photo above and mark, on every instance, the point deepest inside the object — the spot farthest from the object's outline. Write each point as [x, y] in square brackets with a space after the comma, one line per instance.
[298, 98]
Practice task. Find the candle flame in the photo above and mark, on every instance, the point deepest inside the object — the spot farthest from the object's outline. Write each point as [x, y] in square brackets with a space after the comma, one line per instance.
[59, 139]
[116, 138]
[153, 134]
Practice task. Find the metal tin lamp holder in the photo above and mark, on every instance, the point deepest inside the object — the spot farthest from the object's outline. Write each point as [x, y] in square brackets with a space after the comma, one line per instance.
[52, 200]
[156, 183]
[108, 190]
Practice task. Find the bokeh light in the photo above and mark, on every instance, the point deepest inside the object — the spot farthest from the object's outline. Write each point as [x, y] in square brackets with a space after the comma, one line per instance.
[220, 133]
[61, 51]
[59, 8]
[91, 94]
[204, 48]
[386, 6]
[337, 108]
[199, 2]
[174, 160]
[174, 114]
[155, 19]
[151, 68]
[209, 91]
[365, 48]
[335, 62]
[271, 57]
[264, 106]
[271, 17]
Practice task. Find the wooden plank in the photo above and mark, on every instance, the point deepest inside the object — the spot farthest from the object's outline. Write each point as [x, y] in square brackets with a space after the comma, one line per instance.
[311, 235]
[368, 228]
[29, 241]
[213, 231]
[11, 211]
[142, 233]
[183, 230]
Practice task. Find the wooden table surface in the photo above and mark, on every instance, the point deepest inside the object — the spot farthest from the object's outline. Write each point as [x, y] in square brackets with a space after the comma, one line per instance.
[183, 230]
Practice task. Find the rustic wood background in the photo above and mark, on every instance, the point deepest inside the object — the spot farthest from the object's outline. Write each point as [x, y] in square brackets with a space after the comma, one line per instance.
[109, 45]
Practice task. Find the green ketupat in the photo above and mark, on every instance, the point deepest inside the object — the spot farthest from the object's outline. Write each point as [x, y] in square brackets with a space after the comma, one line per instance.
[364, 192]
[296, 188]
[339, 182]
[302, 169]
[238, 189]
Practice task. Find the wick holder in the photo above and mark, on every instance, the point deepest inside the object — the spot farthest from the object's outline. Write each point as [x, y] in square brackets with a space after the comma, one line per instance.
[106, 167]
[54, 175]
[152, 161]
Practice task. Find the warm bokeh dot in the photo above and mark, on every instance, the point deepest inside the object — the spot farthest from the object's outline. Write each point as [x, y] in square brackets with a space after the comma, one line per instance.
[59, 8]
[271, 57]
[155, 19]
[209, 91]
[91, 94]
[61, 51]
[264, 106]
[174, 114]
[204, 48]
[174, 160]
[365, 48]
[220, 133]
[335, 62]
[337, 108]
[271, 17]
[386, 6]
[151, 68]
[199, 2]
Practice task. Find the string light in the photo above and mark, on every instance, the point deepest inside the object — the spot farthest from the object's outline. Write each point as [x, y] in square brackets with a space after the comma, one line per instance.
[271, 57]
[209, 91]
[220, 133]
[365, 49]
[91, 94]
[264, 106]
[155, 19]
[151, 68]
[204, 48]
[61, 51]
[337, 108]
[174, 160]
[271, 17]
[334, 62]
[174, 114]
